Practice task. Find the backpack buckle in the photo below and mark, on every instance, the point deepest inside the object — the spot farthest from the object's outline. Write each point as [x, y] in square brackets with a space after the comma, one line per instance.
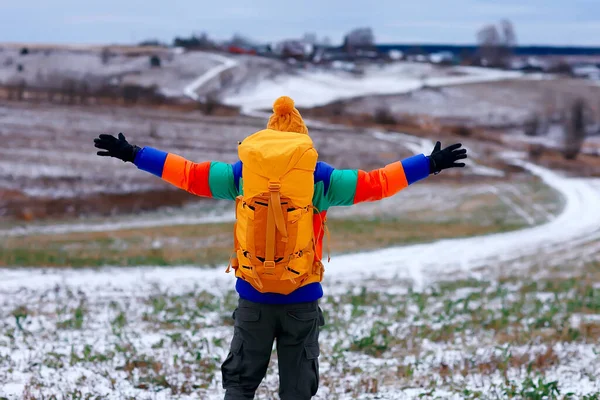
[274, 186]
[269, 266]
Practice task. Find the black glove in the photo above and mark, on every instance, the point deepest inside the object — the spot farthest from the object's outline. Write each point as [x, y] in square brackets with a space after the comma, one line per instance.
[443, 159]
[118, 148]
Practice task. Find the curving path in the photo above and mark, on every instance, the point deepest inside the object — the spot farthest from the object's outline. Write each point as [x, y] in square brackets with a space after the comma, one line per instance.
[227, 63]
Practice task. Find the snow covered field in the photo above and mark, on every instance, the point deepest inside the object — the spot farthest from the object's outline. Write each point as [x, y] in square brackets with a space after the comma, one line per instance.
[508, 315]
[130, 331]
[500, 103]
[49, 152]
[50, 67]
[148, 334]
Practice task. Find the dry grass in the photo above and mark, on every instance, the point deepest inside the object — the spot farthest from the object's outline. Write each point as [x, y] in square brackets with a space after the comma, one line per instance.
[211, 244]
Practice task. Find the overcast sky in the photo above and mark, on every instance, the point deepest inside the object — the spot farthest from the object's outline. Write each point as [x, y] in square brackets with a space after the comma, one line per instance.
[559, 22]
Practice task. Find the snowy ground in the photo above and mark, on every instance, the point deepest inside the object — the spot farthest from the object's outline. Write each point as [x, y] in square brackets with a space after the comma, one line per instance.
[318, 87]
[162, 334]
[507, 102]
[49, 150]
[175, 77]
[48, 68]
[131, 331]
[510, 315]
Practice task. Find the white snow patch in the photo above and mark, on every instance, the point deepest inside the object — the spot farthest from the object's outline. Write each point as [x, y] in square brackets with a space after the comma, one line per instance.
[314, 88]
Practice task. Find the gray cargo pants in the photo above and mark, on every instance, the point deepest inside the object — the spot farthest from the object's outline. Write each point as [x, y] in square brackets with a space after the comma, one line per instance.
[296, 328]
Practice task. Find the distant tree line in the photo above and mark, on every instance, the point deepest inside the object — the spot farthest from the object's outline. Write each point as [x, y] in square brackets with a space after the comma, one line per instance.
[81, 92]
[195, 42]
[88, 92]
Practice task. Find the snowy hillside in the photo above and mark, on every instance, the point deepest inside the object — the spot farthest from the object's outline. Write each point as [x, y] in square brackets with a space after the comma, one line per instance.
[318, 87]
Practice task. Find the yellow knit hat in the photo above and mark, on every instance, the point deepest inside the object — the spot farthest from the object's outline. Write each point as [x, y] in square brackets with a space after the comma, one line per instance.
[286, 117]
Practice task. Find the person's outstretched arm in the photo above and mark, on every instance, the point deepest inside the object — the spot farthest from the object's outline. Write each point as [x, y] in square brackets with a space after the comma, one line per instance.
[208, 179]
[347, 187]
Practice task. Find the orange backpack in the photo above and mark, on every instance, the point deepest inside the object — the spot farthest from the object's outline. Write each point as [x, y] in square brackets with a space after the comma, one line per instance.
[274, 239]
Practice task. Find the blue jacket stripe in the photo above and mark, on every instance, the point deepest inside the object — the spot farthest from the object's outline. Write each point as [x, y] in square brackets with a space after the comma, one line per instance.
[323, 174]
[151, 160]
[416, 168]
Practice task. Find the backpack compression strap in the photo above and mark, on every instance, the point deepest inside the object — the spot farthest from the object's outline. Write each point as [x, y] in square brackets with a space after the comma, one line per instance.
[274, 222]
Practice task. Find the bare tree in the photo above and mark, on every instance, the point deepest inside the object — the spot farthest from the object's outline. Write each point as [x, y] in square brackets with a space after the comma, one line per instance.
[575, 129]
[488, 36]
[84, 92]
[105, 55]
[326, 41]
[211, 103]
[509, 41]
[69, 91]
[488, 39]
[509, 37]
[310, 37]
[536, 150]
[337, 108]
[155, 61]
[496, 44]
[16, 90]
[536, 125]
[384, 116]
[240, 40]
[359, 39]
[532, 125]
[20, 89]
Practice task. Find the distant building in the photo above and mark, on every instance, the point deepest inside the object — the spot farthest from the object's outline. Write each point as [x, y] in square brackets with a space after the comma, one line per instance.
[360, 39]
[587, 71]
[294, 48]
[442, 57]
[395, 55]
[233, 49]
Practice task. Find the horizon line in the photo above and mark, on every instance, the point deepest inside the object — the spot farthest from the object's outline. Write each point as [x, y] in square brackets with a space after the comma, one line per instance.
[387, 43]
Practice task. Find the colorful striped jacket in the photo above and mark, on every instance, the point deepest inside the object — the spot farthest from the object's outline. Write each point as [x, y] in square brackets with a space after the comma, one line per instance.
[333, 187]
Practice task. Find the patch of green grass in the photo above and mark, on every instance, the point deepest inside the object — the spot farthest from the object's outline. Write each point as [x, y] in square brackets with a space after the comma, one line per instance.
[54, 360]
[186, 311]
[98, 258]
[88, 355]
[76, 320]
[533, 389]
[376, 342]
[593, 396]
[119, 322]
[20, 313]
